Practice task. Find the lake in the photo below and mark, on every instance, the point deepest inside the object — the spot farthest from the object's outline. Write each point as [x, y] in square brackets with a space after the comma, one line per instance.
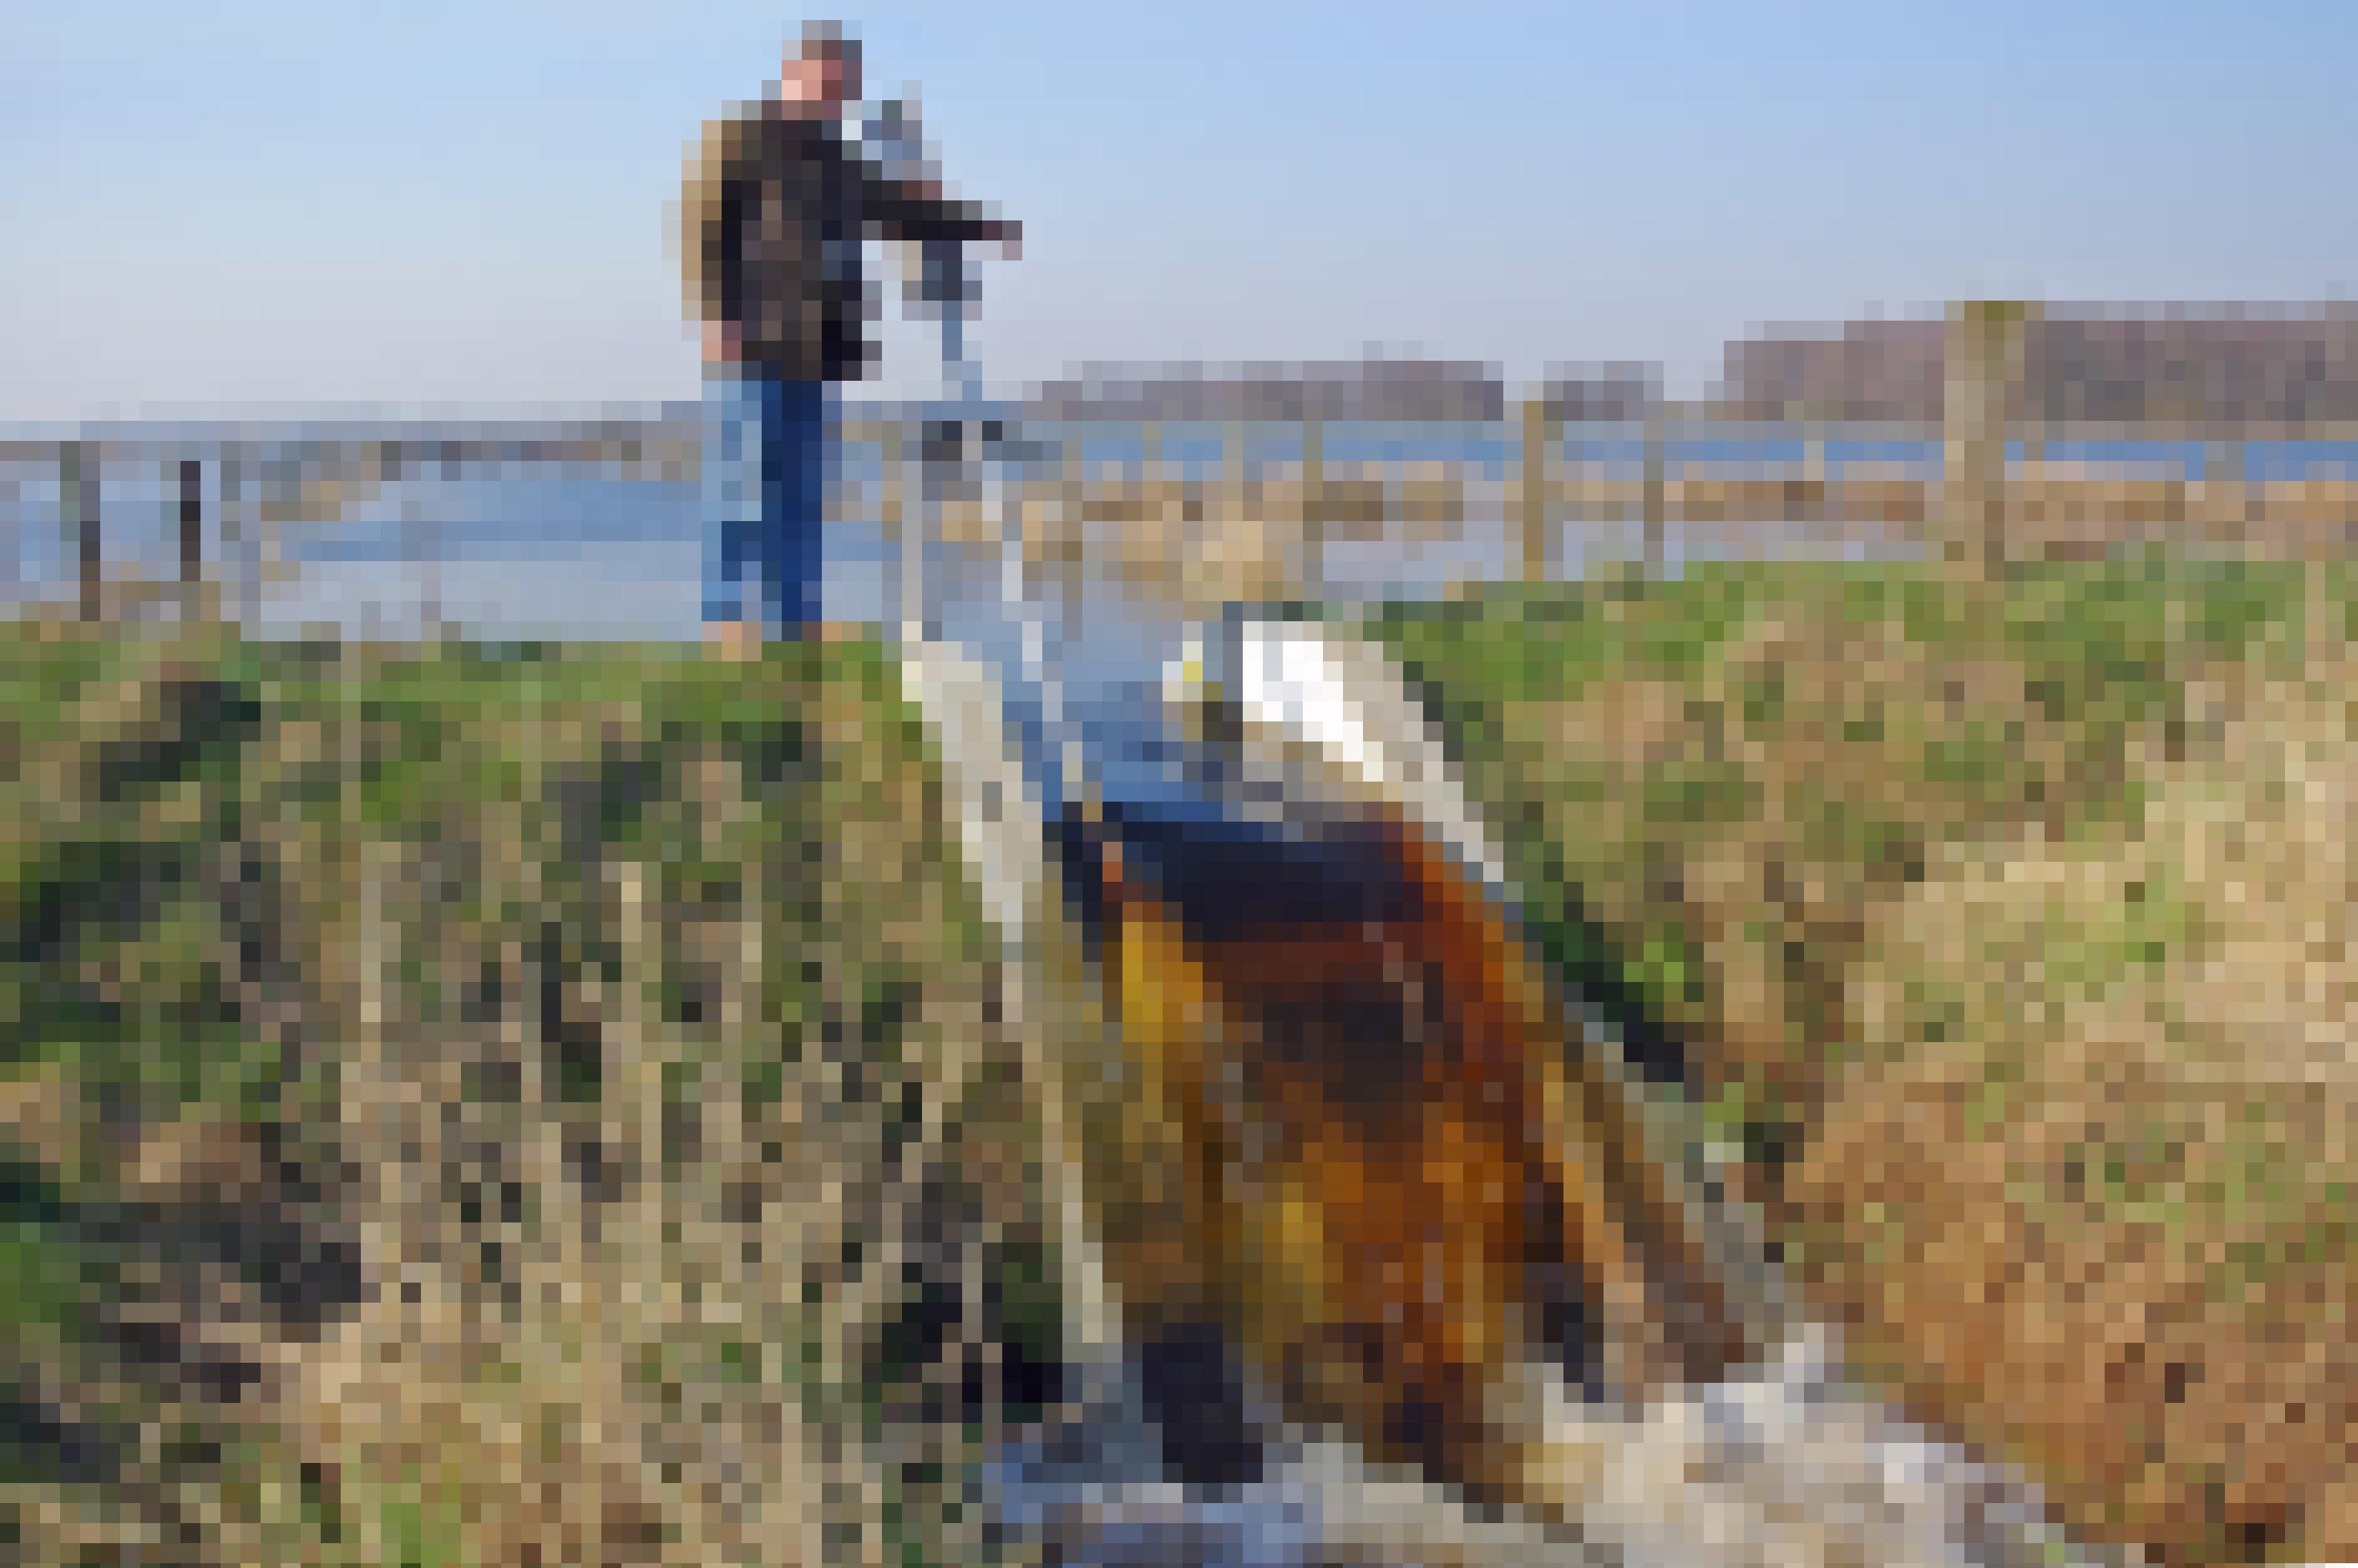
[576, 553]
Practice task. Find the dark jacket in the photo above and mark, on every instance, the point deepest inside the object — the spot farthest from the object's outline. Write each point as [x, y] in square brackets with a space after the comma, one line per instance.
[773, 210]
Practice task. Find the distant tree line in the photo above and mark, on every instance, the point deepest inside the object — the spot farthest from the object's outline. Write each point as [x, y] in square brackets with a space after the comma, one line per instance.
[2095, 362]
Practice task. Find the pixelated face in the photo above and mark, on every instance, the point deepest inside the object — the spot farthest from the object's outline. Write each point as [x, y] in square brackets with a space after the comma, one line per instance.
[821, 75]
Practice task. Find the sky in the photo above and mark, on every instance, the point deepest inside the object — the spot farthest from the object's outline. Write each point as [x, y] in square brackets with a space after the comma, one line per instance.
[463, 203]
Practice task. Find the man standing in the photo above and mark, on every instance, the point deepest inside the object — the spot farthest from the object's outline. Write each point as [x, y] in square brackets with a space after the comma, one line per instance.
[774, 209]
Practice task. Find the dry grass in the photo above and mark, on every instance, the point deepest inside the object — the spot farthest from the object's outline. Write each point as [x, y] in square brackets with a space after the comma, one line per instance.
[2136, 1059]
[615, 1024]
[2012, 952]
[615, 1029]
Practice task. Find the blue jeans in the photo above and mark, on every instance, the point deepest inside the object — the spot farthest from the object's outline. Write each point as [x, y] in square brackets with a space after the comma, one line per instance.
[764, 496]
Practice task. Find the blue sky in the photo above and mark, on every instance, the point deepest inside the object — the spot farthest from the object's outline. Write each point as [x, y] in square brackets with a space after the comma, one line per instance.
[280, 202]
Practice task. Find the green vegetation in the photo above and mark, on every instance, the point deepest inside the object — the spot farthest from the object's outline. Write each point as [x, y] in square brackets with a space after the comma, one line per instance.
[553, 1068]
[2006, 932]
[533, 1066]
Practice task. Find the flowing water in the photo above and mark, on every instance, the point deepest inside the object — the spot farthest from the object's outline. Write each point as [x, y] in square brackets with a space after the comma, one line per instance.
[1779, 1463]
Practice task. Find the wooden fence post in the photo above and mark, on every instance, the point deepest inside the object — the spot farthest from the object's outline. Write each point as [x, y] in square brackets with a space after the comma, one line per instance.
[1226, 521]
[78, 509]
[1655, 496]
[1314, 497]
[235, 531]
[1817, 490]
[1981, 394]
[1154, 520]
[2225, 485]
[1071, 516]
[1232, 463]
[1537, 430]
[192, 535]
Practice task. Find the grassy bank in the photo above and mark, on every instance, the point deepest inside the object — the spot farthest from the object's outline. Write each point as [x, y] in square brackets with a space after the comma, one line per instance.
[2005, 935]
[466, 1107]
[480, 1105]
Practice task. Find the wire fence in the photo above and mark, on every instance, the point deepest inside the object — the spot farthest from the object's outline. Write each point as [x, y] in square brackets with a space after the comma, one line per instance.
[465, 522]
